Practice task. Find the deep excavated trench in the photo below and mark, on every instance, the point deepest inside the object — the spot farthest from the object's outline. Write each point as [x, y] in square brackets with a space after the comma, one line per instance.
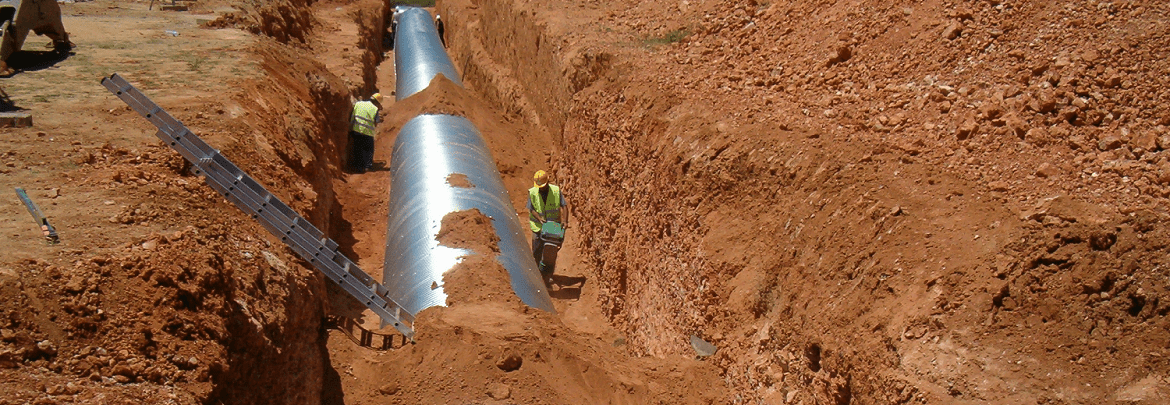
[826, 293]
[504, 76]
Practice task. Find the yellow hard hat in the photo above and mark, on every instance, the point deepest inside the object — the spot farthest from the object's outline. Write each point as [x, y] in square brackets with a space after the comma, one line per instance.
[540, 178]
[377, 97]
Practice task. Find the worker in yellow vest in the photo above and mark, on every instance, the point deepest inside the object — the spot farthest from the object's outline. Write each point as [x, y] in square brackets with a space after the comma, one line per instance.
[361, 133]
[545, 204]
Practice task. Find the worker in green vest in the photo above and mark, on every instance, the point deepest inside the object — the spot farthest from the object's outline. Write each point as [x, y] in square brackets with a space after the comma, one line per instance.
[545, 203]
[361, 133]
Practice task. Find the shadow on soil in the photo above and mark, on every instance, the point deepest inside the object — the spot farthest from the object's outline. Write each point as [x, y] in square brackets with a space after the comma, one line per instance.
[31, 61]
[331, 392]
[565, 287]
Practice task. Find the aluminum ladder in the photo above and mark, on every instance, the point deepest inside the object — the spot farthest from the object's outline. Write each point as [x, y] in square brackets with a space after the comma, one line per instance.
[248, 195]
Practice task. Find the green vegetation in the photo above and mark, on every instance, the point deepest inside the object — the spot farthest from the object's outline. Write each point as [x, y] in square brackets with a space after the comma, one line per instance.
[194, 62]
[669, 38]
[112, 45]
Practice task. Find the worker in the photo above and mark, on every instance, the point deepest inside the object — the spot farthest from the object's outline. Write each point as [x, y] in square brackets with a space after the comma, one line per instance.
[361, 133]
[545, 203]
[439, 28]
[393, 32]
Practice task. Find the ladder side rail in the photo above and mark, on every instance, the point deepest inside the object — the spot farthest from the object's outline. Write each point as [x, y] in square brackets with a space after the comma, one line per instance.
[273, 214]
[293, 233]
[357, 272]
[242, 181]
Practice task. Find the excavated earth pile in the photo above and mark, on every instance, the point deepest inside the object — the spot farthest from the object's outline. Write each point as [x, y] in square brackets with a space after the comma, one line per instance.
[856, 202]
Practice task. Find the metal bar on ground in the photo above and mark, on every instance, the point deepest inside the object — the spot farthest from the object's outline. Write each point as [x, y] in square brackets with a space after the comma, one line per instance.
[49, 232]
[277, 217]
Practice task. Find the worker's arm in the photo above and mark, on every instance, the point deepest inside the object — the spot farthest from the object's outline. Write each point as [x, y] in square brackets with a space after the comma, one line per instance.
[532, 212]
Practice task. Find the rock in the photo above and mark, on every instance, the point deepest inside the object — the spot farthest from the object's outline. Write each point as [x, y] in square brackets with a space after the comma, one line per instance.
[75, 285]
[1163, 173]
[1146, 140]
[47, 348]
[953, 30]
[1109, 142]
[1090, 56]
[9, 358]
[1046, 170]
[967, 129]
[1099, 240]
[1079, 142]
[998, 185]
[499, 391]
[150, 244]
[1037, 136]
[389, 389]
[510, 361]
[1018, 126]
[121, 379]
[122, 369]
[1043, 103]
[991, 111]
[1163, 138]
[56, 389]
[702, 347]
[839, 54]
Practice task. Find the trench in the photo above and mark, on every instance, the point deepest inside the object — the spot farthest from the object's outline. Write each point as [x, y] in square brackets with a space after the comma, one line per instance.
[305, 99]
[353, 207]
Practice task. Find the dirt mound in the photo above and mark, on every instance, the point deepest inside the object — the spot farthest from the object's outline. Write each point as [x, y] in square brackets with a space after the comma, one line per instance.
[479, 276]
[469, 230]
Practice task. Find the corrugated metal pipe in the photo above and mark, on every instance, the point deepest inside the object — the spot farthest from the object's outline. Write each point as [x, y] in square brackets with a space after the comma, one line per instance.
[429, 149]
[418, 52]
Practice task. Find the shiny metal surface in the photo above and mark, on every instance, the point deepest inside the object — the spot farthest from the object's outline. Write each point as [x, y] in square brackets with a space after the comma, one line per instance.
[429, 148]
[418, 53]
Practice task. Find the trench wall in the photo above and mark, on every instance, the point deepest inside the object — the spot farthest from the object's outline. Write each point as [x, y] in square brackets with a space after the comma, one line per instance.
[298, 118]
[666, 197]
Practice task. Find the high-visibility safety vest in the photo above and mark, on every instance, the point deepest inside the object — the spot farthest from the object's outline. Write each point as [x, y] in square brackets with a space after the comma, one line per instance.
[365, 115]
[549, 208]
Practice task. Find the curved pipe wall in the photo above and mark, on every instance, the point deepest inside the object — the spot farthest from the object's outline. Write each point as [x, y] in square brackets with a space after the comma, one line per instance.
[418, 53]
[428, 150]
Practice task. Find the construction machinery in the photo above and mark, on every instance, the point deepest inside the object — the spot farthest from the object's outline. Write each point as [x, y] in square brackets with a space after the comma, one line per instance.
[552, 235]
[18, 17]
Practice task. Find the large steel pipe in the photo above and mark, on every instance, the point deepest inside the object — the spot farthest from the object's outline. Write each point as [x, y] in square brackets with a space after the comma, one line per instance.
[428, 150]
[418, 52]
